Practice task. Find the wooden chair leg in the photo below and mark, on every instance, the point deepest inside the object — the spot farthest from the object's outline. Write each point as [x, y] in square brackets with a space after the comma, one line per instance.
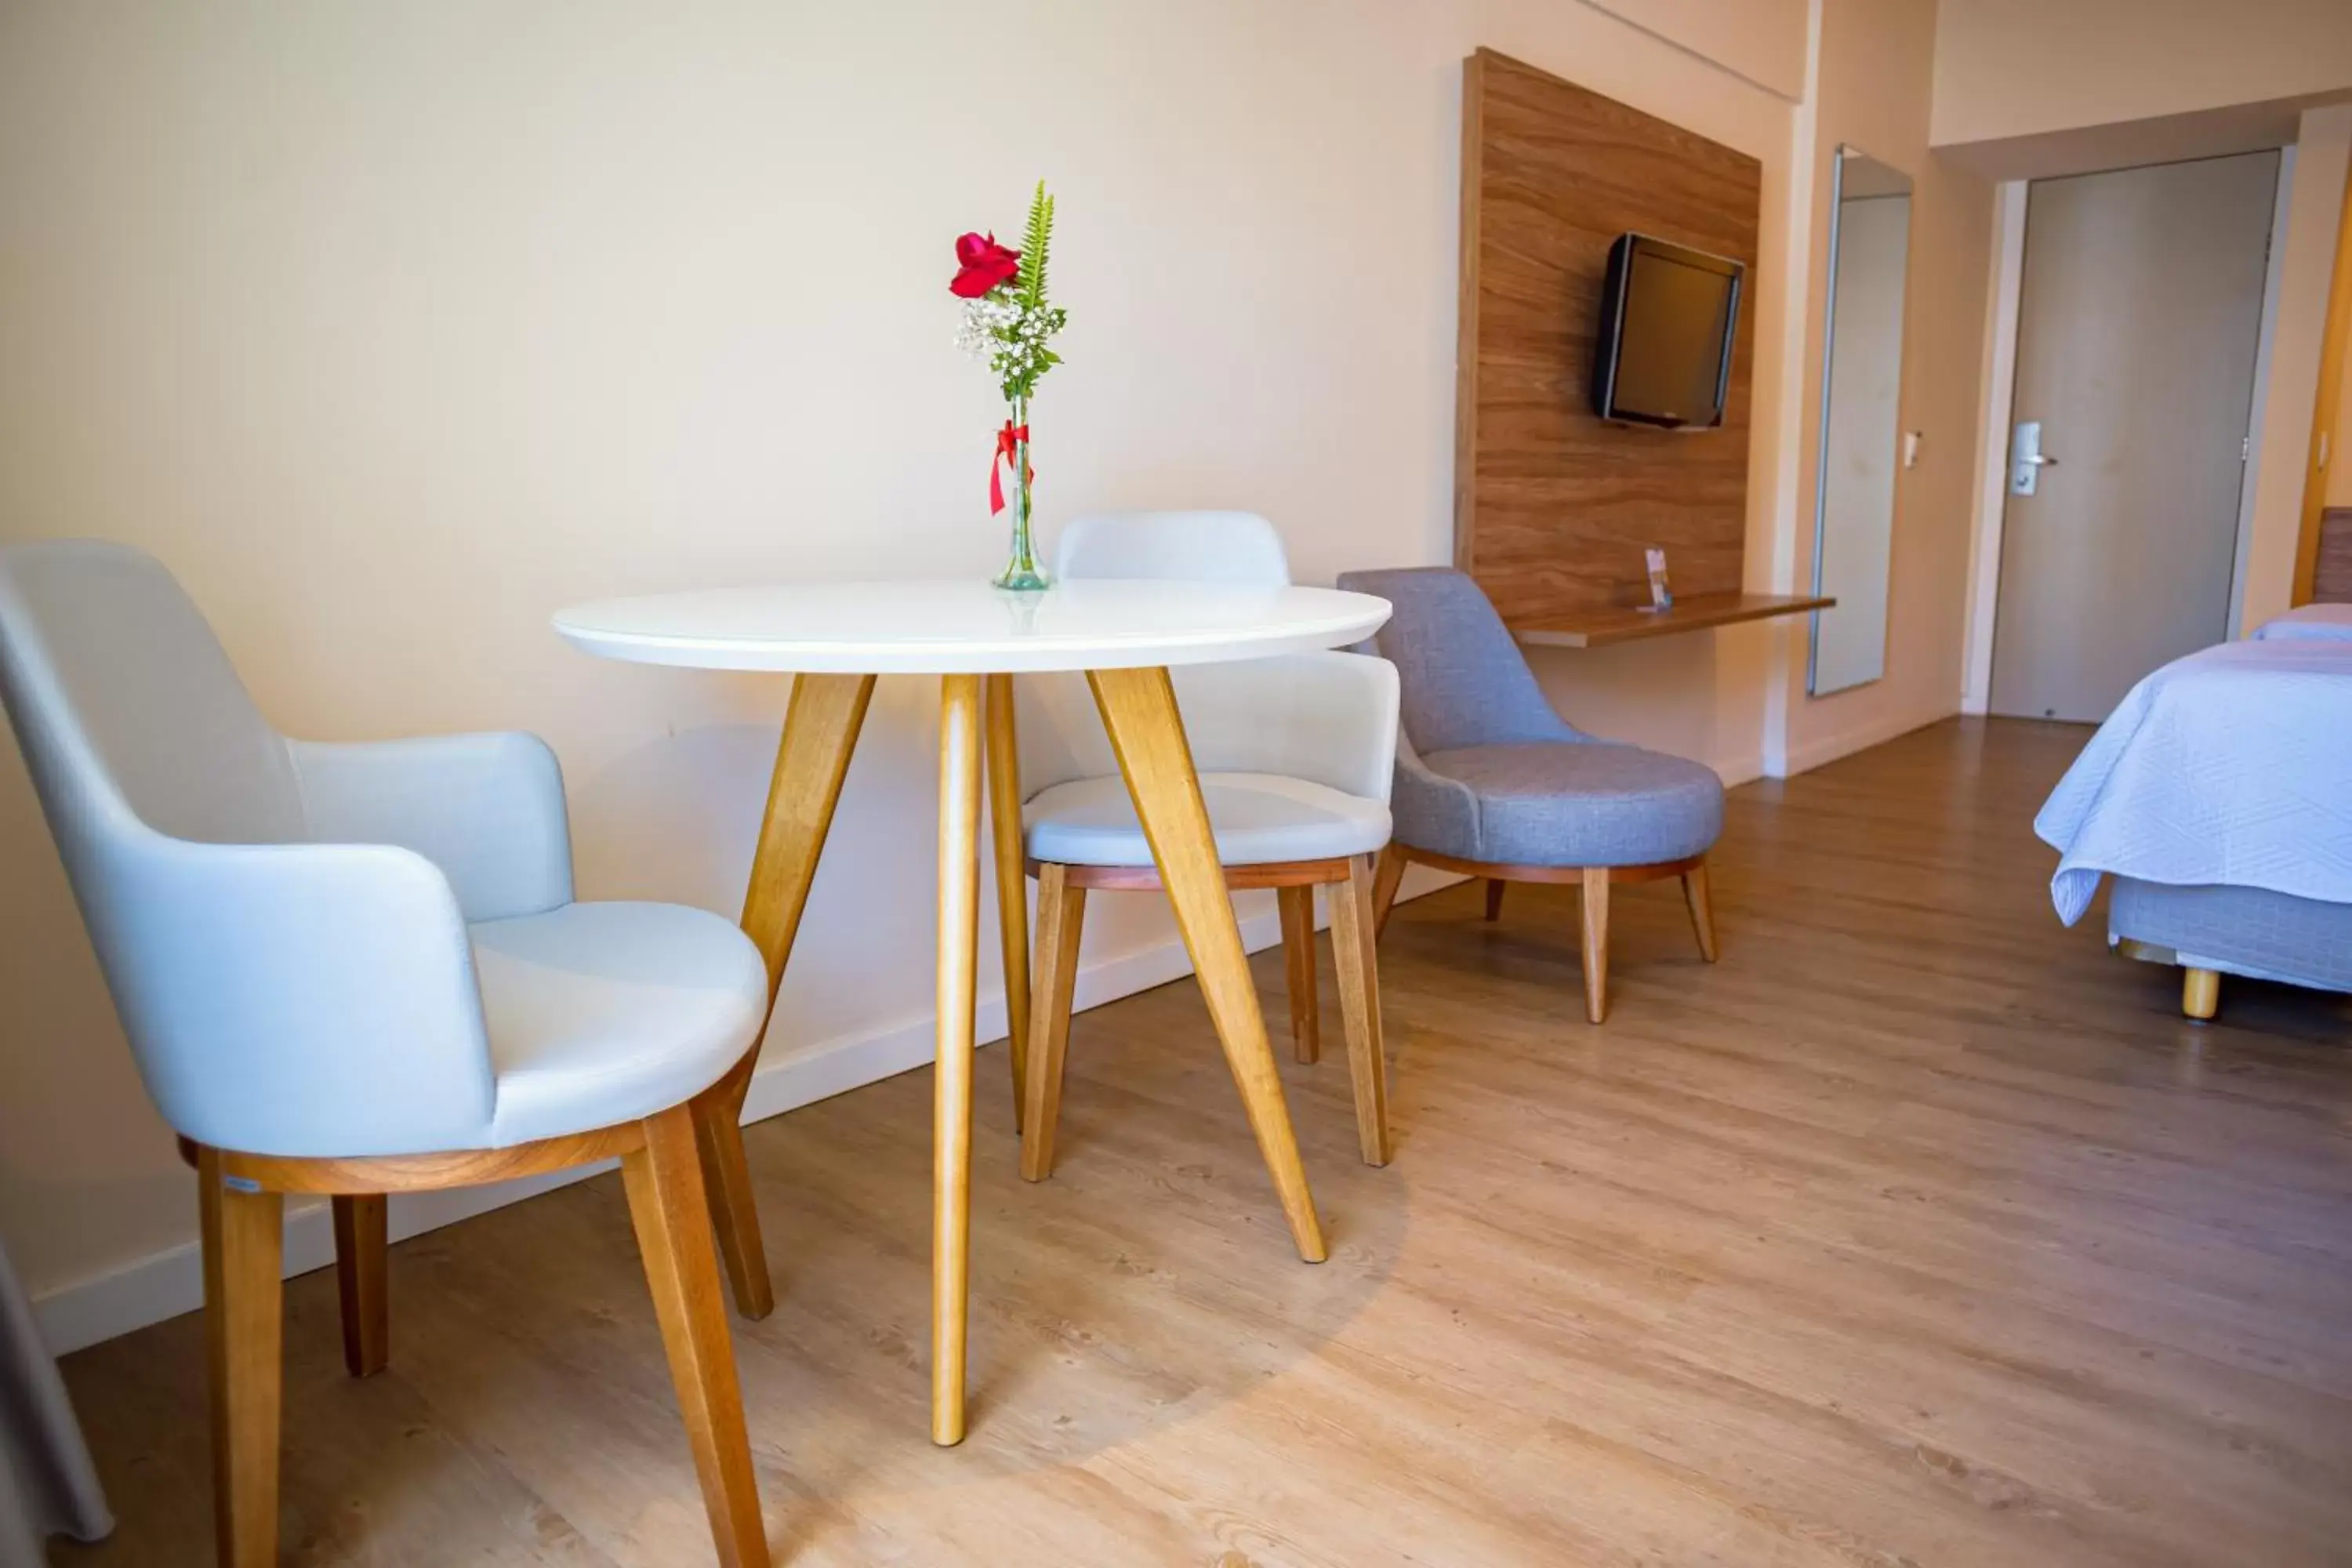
[1139, 710]
[668, 1206]
[1390, 872]
[1360, 1006]
[1297, 906]
[2200, 993]
[1596, 942]
[1061, 914]
[734, 1212]
[1696, 895]
[959, 938]
[245, 1317]
[363, 1238]
[1012, 880]
[1494, 897]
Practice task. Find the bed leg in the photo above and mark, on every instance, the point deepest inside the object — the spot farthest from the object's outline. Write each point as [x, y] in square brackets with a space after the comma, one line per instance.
[2200, 993]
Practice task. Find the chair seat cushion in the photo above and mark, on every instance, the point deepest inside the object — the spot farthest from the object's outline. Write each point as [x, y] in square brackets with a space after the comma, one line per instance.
[1257, 819]
[604, 1013]
[1580, 803]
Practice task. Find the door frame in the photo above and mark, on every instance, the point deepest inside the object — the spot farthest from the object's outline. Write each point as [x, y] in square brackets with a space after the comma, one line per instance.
[2000, 412]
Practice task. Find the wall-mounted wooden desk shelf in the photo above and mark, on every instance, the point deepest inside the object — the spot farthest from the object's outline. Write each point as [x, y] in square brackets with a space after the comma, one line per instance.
[1599, 628]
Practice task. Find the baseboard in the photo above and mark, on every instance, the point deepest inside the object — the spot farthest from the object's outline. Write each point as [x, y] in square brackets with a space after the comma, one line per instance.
[1743, 769]
[167, 1283]
[1859, 738]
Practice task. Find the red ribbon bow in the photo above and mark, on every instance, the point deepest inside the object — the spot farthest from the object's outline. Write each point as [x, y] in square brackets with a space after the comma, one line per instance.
[1009, 442]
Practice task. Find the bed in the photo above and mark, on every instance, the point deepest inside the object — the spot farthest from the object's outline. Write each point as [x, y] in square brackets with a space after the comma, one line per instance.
[2219, 796]
[2323, 622]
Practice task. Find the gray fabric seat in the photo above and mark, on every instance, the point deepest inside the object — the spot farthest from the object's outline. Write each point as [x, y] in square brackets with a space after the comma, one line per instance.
[1489, 771]
[1578, 803]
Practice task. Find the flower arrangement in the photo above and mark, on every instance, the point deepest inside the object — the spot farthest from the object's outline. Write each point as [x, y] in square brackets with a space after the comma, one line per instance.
[1008, 322]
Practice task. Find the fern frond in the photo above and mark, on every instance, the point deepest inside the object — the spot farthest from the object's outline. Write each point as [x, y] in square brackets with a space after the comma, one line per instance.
[1033, 246]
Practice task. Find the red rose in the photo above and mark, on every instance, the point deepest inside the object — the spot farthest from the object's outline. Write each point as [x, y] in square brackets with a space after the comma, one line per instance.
[983, 265]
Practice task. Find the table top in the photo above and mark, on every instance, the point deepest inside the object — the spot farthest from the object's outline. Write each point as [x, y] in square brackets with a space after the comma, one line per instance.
[1690, 612]
[962, 626]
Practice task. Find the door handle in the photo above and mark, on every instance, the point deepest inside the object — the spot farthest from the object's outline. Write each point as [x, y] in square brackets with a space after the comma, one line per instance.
[2026, 458]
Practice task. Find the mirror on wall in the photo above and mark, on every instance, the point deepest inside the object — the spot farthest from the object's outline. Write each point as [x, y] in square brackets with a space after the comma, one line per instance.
[1862, 382]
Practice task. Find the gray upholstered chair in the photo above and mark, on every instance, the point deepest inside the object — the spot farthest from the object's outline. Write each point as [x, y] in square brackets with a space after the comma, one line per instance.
[1490, 781]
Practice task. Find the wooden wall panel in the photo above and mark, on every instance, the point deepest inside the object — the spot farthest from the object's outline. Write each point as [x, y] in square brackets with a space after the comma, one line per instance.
[2331, 581]
[1553, 508]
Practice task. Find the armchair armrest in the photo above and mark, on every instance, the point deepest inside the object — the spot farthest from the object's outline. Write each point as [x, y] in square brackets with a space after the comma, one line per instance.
[487, 810]
[297, 998]
[1433, 812]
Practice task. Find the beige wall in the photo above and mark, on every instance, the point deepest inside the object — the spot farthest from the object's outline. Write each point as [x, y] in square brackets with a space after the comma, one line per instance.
[394, 329]
[2315, 207]
[2021, 67]
[1873, 55]
[1763, 40]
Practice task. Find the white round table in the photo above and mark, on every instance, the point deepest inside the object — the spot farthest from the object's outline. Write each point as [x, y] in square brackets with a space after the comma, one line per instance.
[952, 627]
[836, 637]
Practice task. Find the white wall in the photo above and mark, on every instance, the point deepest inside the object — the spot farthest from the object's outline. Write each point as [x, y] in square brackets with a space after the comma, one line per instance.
[1999, 388]
[2022, 68]
[1873, 55]
[392, 328]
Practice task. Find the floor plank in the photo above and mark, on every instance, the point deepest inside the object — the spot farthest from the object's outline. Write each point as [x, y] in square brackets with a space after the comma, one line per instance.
[1918, 1231]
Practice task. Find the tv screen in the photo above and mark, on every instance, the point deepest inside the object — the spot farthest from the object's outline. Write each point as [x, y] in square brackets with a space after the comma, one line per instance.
[1664, 351]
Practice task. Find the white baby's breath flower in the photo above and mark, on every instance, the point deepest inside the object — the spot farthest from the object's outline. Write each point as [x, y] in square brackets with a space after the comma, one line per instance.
[985, 321]
[1009, 335]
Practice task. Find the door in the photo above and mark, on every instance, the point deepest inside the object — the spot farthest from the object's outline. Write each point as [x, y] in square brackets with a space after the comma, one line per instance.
[2138, 318]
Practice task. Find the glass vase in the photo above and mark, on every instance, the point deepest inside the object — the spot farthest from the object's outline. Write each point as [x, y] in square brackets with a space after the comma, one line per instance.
[1021, 574]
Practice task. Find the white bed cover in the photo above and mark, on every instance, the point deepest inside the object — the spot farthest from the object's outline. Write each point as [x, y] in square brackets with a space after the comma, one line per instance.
[2231, 765]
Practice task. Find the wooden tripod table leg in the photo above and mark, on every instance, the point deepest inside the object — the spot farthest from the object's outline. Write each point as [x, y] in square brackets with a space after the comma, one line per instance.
[717, 1116]
[1388, 873]
[1139, 708]
[1012, 880]
[820, 731]
[812, 759]
[960, 747]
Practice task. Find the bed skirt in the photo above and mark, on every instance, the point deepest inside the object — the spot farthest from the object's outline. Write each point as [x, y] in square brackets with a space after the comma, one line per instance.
[2235, 931]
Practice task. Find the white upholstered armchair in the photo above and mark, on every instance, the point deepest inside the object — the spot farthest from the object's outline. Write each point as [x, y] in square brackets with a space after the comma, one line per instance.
[1294, 755]
[354, 970]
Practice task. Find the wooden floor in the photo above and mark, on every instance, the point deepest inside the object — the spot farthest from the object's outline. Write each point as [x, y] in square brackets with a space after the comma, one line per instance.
[1919, 1231]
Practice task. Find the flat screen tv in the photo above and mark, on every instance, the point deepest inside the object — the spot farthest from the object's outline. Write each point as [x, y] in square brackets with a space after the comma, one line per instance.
[1663, 353]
